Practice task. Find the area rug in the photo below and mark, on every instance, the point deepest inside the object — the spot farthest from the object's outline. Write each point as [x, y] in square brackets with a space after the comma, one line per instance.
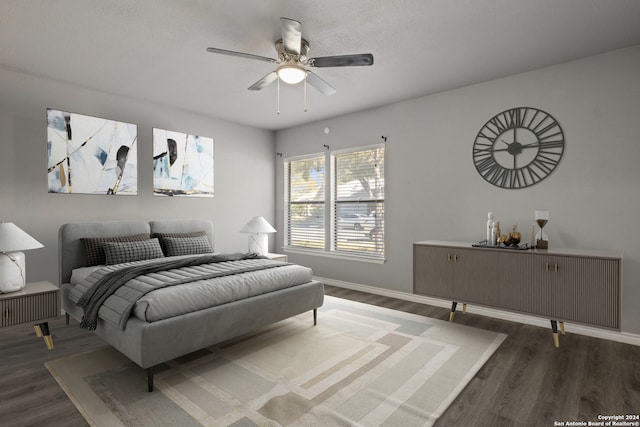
[361, 365]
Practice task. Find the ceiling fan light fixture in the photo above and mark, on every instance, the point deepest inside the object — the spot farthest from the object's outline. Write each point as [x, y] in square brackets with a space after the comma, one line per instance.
[291, 74]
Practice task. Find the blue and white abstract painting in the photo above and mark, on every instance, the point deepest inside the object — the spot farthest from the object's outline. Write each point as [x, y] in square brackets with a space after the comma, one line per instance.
[182, 164]
[90, 155]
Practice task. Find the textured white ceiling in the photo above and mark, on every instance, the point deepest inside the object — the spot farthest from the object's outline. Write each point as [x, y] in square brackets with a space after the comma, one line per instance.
[155, 50]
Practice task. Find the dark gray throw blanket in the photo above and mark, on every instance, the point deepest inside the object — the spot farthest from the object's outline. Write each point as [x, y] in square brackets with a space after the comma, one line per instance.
[95, 296]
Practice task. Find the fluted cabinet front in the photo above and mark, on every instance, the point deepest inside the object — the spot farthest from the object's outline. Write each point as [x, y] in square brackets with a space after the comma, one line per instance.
[573, 286]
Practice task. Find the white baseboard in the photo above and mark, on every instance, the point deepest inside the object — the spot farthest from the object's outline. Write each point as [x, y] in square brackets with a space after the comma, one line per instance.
[623, 337]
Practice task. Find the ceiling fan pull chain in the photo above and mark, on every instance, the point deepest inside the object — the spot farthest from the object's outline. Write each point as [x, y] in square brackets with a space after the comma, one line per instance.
[305, 92]
[278, 109]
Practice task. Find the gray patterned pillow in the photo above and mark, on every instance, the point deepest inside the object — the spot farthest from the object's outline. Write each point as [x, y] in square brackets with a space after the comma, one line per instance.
[93, 246]
[120, 252]
[187, 245]
[162, 236]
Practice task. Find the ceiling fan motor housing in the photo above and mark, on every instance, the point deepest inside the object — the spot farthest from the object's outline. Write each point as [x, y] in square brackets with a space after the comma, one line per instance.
[285, 56]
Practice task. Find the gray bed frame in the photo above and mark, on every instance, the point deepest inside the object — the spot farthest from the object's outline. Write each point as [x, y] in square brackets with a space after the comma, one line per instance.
[150, 344]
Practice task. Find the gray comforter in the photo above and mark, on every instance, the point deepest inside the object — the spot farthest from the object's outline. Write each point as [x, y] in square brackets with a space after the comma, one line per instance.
[154, 294]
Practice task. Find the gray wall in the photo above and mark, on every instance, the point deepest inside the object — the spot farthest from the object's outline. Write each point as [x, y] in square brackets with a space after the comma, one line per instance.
[244, 168]
[434, 191]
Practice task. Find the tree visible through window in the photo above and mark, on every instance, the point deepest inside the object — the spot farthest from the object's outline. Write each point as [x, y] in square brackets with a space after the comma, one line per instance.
[358, 202]
[356, 208]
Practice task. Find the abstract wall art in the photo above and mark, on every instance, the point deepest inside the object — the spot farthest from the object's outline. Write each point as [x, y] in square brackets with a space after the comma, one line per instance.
[182, 164]
[90, 155]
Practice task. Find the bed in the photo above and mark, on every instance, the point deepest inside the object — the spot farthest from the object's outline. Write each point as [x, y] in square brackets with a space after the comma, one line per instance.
[270, 293]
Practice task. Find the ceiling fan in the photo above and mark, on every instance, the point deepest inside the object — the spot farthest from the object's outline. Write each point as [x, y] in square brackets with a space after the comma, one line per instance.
[294, 61]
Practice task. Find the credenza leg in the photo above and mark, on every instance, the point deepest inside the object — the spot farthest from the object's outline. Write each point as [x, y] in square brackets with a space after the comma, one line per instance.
[464, 308]
[554, 328]
[453, 311]
[561, 327]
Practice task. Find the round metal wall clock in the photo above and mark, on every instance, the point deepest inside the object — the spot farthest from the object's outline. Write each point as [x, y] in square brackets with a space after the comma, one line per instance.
[518, 148]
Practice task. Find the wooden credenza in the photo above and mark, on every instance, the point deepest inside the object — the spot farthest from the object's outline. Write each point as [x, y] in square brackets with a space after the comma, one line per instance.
[558, 284]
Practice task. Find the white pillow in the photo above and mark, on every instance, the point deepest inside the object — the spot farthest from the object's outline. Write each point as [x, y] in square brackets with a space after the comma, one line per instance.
[79, 274]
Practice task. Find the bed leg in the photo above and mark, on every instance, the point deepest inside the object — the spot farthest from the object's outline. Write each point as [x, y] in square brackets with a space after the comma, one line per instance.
[66, 318]
[315, 316]
[150, 378]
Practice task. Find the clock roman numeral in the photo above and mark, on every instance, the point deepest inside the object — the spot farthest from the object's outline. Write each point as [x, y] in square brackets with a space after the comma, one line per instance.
[498, 176]
[545, 164]
[515, 179]
[550, 146]
[492, 172]
[512, 117]
[526, 112]
[485, 164]
[480, 153]
[547, 138]
[536, 120]
[519, 180]
[516, 117]
[482, 146]
[526, 179]
[533, 174]
[539, 130]
[500, 123]
[523, 177]
[488, 137]
[507, 178]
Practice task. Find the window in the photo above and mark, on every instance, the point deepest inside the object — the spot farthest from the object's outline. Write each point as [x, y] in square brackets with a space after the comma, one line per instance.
[358, 202]
[353, 208]
[305, 202]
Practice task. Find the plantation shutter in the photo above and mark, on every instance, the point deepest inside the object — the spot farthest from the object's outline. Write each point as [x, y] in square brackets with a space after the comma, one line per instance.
[305, 203]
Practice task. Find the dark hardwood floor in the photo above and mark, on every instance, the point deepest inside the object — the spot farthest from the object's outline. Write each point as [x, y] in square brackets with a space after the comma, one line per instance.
[527, 382]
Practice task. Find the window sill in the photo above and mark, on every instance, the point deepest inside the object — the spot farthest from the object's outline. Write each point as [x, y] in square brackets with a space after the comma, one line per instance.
[334, 255]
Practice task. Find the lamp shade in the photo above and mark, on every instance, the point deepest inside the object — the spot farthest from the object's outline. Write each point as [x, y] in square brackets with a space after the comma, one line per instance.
[258, 224]
[12, 239]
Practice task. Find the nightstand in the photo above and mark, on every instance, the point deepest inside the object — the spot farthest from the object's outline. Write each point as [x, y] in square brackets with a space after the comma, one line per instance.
[37, 302]
[277, 257]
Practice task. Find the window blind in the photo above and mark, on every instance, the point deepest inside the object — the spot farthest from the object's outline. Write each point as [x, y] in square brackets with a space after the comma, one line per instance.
[358, 202]
[305, 202]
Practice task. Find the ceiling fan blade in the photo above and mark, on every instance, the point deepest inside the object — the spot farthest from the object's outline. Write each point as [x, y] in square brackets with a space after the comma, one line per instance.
[240, 54]
[323, 87]
[265, 81]
[291, 35]
[357, 60]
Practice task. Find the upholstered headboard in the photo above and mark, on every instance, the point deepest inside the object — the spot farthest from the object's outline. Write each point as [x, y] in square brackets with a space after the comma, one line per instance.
[71, 251]
[182, 226]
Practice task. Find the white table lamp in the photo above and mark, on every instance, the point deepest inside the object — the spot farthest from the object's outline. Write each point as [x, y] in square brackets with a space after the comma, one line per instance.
[258, 229]
[12, 266]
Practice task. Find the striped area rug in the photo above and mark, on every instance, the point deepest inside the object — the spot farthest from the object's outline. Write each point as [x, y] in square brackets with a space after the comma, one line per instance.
[361, 365]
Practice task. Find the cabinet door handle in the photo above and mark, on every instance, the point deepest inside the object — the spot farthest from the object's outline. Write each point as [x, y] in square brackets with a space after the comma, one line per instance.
[455, 258]
[547, 266]
[448, 257]
[555, 267]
